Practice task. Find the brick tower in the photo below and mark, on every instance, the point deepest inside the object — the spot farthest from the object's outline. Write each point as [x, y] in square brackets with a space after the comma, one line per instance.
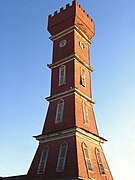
[70, 146]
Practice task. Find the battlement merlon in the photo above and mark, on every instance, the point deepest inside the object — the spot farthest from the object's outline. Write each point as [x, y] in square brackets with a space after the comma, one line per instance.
[72, 15]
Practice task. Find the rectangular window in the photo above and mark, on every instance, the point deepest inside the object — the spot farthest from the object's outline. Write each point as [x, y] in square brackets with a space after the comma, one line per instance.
[43, 160]
[59, 112]
[86, 157]
[100, 164]
[85, 113]
[62, 75]
[83, 78]
[62, 157]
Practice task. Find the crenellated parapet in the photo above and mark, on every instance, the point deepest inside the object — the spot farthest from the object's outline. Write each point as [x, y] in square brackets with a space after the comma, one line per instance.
[71, 16]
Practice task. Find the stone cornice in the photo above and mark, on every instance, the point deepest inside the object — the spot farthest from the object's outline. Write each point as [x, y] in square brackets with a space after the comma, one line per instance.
[80, 178]
[68, 59]
[75, 131]
[69, 30]
[80, 93]
[69, 93]
[60, 95]
[89, 136]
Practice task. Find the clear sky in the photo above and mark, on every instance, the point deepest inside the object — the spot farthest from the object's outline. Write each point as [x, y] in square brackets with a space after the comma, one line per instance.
[25, 50]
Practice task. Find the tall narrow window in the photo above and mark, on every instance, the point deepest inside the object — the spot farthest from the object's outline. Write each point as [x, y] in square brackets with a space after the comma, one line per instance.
[62, 157]
[83, 78]
[62, 75]
[43, 160]
[100, 164]
[59, 112]
[85, 113]
[86, 157]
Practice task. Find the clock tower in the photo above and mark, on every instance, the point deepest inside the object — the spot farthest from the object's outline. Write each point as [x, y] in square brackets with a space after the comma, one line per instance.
[70, 145]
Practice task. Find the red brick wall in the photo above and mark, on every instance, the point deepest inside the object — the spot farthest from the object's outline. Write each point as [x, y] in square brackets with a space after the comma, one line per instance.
[72, 116]
[71, 167]
[62, 52]
[85, 90]
[82, 53]
[55, 88]
[79, 116]
[68, 120]
[81, 161]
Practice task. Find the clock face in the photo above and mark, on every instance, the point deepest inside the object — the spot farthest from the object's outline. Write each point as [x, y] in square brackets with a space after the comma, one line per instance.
[81, 45]
[63, 43]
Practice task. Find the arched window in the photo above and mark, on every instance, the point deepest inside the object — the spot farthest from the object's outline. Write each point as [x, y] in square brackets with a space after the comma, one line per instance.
[86, 157]
[59, 111]
[83, 78]
[99, 161]
[62, 75]
[62, 157]
[43, 160]
[85, 113]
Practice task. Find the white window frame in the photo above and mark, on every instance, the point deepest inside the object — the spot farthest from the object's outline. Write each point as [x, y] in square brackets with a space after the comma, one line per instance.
[83, 77]
[85, 113]
[62, 157]
[59, 111]
[100, 163]
[62, 75]
[42, 163]
[87, 157]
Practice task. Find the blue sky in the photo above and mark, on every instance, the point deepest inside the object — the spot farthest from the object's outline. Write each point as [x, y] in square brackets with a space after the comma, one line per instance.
[25, 50]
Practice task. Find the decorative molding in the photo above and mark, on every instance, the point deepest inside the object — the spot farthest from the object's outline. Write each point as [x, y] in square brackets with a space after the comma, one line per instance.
[68, 59]
[80, 178]
[61, 62]
[69, 93]
[56, 135]
[89, 136]
[90, 69]
[75, 131]
[85, 96]
[60, 95]
[61, 34]
[80, 32]
[69, 30]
